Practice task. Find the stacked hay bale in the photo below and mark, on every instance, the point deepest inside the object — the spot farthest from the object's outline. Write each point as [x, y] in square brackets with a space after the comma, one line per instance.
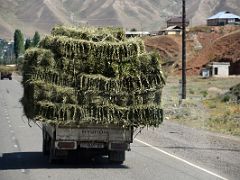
[92, 76]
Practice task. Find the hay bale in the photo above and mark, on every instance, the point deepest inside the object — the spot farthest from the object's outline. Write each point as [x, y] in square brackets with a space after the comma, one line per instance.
[90, 34]
[92, 76]
[6, 69]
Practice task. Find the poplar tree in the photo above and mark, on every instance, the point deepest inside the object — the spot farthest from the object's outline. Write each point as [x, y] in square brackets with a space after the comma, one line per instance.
[27, 43]
[36, 39]
[18, 43]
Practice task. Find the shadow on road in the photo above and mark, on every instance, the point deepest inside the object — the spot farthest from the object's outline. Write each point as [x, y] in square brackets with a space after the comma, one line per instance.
[36, 160]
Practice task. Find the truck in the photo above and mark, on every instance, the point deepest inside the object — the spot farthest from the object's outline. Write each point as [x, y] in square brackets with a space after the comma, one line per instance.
[59, 142]
[7, 75]
[6, 71]
[90, 88]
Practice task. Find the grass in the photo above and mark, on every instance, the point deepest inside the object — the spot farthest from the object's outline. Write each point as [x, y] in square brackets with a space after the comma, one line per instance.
[225, 117]
[206, 107]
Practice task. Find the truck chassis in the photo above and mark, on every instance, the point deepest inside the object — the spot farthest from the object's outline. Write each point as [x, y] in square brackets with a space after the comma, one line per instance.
[58, 142]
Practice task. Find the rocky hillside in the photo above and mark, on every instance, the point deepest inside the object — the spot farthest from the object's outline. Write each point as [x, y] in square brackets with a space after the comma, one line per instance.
[221, 45]
[41, 15]
[204, 44]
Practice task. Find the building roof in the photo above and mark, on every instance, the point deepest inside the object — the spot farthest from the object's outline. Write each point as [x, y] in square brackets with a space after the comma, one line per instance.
[176, 19]
[173, 28]
[137, 33]
[224, 15]
[219, 63]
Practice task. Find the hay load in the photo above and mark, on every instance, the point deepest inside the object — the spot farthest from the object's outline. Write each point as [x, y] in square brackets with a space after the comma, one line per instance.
[92, 76]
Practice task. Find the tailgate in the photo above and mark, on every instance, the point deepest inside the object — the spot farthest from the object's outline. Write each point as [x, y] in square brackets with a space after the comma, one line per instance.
[94, 134]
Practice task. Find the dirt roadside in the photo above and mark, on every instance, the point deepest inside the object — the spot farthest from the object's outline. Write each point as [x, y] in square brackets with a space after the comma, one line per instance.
[186, 132]
[215, 152]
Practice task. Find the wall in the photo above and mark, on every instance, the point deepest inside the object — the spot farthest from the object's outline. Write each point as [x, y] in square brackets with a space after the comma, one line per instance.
[173, 33]
[219, 22]
[223, 70]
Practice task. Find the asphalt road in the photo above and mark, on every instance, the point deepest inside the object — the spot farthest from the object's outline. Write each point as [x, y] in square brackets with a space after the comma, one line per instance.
[21, 157]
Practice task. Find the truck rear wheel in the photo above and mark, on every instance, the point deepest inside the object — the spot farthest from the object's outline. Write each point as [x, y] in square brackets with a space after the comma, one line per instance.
[45, 143]
[117, 157]
[52, 158]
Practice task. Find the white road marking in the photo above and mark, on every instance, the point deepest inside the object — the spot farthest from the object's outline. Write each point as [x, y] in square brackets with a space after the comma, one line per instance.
[180, 159]
[23, 170]
[16, 146]
[10, 125]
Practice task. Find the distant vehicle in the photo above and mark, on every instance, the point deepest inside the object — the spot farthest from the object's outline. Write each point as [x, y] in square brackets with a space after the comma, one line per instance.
[6, 71]
[7, 75]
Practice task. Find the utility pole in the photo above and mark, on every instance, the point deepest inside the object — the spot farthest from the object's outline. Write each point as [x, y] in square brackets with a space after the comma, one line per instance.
[183, 50]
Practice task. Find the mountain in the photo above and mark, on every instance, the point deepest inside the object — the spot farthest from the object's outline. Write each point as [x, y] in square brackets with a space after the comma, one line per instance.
[30, 15]
[42, 15]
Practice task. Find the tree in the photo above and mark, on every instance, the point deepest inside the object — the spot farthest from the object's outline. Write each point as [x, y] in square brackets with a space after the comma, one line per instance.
[36, 39]
[27, 43]
[18, 43]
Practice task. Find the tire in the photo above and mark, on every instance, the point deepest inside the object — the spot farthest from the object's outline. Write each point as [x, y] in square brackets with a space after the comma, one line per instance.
[10, 78]
[45, 143]
[52, 158]
[117, 157]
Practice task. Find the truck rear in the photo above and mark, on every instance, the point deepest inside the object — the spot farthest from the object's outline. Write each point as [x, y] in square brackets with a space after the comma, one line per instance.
[6, 72]
[7, 75]
[59, 142]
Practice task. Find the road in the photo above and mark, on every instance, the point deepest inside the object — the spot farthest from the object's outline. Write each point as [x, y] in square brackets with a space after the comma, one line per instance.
[21, 157]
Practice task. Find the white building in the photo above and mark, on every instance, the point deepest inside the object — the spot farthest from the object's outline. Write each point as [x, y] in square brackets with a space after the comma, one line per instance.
[216, 69]
[171, 30]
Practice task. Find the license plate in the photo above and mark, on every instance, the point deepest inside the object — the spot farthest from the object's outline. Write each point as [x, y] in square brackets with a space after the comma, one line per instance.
[91, 145]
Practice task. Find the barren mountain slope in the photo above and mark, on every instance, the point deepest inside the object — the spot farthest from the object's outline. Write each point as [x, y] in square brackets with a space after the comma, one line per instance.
[41, 15]
[30, 15]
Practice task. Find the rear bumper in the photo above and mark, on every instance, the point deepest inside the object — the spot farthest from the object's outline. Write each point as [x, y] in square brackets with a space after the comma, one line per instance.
[6, 76]
[73, 145]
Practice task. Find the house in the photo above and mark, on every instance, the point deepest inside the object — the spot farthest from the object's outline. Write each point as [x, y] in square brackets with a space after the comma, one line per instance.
[172, 30]
[176, 21]
[216, 69]
[223, 18]
[137, 33]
